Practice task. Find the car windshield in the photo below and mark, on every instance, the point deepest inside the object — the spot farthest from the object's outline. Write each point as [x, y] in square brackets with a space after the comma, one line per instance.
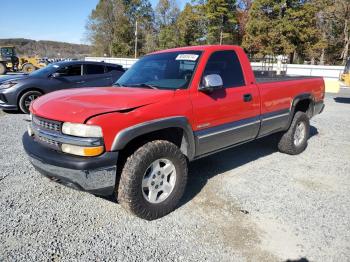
[46, 71]
[170, 70]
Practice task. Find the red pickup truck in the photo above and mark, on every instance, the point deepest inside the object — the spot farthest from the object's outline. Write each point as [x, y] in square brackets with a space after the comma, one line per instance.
[135, 139]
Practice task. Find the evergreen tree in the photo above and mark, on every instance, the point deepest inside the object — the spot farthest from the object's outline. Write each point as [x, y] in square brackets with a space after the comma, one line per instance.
[111, 26]
[167, 13]
[222, 26]
[288, 27]
[141, 11]
[106, 27]
[338, 20]
[190, 25]
[268, 30]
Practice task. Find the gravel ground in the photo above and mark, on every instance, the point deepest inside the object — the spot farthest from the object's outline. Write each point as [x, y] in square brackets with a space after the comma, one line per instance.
[250, 203]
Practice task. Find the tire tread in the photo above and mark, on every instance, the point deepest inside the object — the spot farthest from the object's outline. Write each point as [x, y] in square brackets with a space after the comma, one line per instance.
[286, 141]
[128, 191]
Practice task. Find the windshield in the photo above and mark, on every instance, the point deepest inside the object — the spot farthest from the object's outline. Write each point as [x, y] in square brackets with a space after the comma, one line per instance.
[172, 70]
[46, 71]
[7, 51]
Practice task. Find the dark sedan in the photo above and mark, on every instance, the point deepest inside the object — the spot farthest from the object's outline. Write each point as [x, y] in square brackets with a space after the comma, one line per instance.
[18, 91]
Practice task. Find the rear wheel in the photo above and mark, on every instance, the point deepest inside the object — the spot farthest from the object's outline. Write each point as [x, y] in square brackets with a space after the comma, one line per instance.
[153, 180]
[28, 68]
[2, 69]
[26, 99]
[294, 141]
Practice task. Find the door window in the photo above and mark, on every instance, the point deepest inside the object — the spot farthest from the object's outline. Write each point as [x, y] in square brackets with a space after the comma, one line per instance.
[227, 65]
[113, 68]
[94, 69]
[71, 70]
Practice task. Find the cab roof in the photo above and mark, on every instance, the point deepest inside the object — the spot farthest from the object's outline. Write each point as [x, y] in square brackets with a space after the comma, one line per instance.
[198, 48]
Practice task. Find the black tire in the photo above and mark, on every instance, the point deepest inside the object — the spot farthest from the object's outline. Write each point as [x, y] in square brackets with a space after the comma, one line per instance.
[130, 191]
[28, 68]
[3, 69]
[287, 143]
[26, 99]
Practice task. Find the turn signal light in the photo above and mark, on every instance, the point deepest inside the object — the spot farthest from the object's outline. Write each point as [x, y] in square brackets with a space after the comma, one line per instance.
[82, 151]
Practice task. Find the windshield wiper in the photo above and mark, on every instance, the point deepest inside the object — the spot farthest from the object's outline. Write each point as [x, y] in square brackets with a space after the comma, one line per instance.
[117, 84]
[145, 85]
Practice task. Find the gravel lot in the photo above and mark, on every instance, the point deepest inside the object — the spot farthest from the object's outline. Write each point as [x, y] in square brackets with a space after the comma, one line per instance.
[250, 203]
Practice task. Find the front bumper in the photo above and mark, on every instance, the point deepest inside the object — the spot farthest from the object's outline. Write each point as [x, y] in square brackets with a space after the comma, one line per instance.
[8, 100]
[96, 175]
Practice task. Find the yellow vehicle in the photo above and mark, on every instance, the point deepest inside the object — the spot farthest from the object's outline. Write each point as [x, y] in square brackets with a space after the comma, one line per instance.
[346, 74]
[9, 62]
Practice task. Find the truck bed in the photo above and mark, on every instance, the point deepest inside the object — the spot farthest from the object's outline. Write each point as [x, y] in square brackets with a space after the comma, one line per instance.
[281, 78]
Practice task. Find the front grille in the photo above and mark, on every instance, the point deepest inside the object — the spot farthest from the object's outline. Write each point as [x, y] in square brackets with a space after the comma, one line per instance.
[48, 141]
[47, 124]
[50, 126]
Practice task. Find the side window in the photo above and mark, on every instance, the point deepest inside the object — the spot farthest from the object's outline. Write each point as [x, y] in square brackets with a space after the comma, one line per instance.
[72, 70]
[113, 68]
[227, 65]
[94, 69]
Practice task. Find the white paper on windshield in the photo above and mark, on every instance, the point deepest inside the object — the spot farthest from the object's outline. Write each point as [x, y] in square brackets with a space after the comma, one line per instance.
[187, 57]
[56, 66]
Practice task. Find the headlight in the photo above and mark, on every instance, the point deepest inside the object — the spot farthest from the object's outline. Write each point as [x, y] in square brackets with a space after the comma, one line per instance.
[82, 151]
[7, 85]
[81, 130]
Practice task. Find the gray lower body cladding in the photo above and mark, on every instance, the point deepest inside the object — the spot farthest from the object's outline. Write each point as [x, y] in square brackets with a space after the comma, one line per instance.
[220, 137]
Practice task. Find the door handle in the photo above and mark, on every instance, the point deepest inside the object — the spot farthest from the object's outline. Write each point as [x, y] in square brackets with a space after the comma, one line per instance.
[247, 97]
[80, 82]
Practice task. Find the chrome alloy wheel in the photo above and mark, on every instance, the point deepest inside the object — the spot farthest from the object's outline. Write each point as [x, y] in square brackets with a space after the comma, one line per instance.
[300, 132]
[158, 181]
[30, 99]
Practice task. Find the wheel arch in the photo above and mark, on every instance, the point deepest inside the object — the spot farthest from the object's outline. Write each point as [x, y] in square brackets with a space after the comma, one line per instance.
[27, 89]
[304, 103]
[174, 129]
[3, 63]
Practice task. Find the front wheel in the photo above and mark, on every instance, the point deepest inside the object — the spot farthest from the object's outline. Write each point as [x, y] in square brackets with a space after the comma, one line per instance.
[28, 68]
[26, 99]
[294, 141]
[3, 69]
[153, 180]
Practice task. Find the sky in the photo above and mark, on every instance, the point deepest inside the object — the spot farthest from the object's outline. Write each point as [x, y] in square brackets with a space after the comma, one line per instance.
[62, 20]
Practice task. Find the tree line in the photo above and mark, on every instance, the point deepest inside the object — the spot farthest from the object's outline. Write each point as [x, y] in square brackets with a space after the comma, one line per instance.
[50, 49]
[313, 31]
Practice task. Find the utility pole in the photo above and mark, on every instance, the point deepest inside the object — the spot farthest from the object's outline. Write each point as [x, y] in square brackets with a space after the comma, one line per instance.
[136, 39]
[221, 28]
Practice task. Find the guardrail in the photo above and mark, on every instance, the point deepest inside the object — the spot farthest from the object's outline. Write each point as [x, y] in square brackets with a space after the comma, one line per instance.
[309, 70]
[125, 62]
[292, 69]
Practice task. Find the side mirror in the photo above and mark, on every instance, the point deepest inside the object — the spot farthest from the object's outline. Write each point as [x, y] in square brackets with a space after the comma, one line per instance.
[211, 82]
[56, 75]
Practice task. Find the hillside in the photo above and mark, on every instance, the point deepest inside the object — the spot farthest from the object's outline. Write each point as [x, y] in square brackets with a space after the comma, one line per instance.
[49, 49]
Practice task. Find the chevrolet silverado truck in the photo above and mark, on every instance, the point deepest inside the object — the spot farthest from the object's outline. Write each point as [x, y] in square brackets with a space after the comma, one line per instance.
[135, 139]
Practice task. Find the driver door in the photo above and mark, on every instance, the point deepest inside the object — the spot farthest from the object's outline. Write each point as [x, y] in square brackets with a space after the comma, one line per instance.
[229, 115]
[70, 76]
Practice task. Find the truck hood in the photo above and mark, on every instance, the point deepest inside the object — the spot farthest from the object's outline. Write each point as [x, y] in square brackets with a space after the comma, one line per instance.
[77, 105]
